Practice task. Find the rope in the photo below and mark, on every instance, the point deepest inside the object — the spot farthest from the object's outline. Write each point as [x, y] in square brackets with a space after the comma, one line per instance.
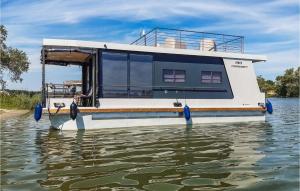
[51, 114]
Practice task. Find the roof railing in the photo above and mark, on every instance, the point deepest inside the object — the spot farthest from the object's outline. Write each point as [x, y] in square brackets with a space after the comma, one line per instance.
[186, 39]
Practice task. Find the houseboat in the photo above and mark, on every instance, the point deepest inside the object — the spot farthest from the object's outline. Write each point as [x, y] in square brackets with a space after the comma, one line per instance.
[165, 77]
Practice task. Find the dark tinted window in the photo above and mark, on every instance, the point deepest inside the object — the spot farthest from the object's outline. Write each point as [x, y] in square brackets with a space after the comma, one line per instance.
[173, 76]
[140, 75]
[211, 77]
[114, 67]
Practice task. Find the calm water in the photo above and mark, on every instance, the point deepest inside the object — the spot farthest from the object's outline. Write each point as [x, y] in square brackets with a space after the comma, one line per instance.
[245, 156]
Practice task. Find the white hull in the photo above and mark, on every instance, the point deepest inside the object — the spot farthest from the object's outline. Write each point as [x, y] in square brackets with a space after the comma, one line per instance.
[236, 99]
[64, 122]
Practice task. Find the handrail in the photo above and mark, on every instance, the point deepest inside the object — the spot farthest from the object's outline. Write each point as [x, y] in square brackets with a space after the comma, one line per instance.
[60, 90]
[188, 39]
[144, 35]
[184, 30]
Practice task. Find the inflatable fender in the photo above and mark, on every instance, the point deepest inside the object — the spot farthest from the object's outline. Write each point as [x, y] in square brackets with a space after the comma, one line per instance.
[38, 110]
[187, 112]
[73, 110]
[269, 107]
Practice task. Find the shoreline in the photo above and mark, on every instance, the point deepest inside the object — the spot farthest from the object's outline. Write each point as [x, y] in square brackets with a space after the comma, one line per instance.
[10, 113]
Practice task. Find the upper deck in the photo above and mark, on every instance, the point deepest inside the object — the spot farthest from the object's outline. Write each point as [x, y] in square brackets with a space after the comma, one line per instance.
[168, 41]
[185, 39]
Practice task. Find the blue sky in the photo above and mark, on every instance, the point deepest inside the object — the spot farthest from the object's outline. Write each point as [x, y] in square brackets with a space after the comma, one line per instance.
[270, 27]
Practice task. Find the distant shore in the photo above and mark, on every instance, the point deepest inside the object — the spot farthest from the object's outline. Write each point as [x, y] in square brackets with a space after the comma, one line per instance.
[9, 113]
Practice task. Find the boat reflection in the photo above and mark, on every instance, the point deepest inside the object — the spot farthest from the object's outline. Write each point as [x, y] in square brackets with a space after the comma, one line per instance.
[205, 156]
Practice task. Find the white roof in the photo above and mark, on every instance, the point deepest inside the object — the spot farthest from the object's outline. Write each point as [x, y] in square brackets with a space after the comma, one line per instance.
[152, 49]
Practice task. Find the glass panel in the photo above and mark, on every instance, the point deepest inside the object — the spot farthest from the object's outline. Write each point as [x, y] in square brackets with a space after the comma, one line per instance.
[114, 67]
[179, 80]
[179, 76]
[216, 77]
[206, 77]
[168, 80]
[168, 75]
[140, 75]
[174, 75]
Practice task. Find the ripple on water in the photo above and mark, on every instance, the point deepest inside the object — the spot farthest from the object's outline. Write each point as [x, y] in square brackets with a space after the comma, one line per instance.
[251, 156]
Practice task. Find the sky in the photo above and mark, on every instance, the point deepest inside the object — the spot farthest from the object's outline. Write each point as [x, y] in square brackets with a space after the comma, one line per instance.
[270, 27]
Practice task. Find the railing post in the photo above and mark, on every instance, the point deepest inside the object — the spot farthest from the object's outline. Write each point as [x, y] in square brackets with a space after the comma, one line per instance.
[155, 37]
[201, 43]
[180, 39]
[224, 45]
[242, 44]
[43, 96]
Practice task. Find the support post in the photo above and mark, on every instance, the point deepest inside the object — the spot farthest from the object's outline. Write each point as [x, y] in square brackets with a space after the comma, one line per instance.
[155, 37]
[84, 78]
[94, 79]
[43, 96]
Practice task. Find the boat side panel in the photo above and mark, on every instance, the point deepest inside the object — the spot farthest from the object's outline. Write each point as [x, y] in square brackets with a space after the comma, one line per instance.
[243, 82]
[86, 121]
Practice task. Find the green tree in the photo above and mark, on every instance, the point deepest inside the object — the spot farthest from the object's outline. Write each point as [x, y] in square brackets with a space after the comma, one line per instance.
[13, 61]
[288, 84]
[267, 86]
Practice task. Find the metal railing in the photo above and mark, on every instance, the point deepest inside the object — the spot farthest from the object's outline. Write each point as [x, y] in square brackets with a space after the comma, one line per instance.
[185, 39]
[62, 90]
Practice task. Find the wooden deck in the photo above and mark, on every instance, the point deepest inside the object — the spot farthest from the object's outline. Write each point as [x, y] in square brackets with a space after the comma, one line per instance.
[145, 110]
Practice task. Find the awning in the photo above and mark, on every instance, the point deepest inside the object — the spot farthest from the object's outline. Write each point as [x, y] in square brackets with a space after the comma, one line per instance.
[66, 56]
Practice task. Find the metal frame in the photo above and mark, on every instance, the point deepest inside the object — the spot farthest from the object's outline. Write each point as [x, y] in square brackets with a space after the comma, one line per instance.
[188, 39]
[44, 61]
[43, 96]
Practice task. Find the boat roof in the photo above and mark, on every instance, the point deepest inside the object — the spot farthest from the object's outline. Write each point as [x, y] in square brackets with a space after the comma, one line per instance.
[64, 49]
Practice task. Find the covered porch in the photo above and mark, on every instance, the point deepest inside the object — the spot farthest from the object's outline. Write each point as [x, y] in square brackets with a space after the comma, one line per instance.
[84, 89]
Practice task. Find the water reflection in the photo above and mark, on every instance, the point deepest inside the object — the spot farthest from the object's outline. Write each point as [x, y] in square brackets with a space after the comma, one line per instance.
[246, 156]
[147, 158]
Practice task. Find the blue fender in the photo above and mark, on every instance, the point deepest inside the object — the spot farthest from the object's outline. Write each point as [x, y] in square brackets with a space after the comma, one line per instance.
[73, 110]
[187, 112]
[269, 107]
[38, 110]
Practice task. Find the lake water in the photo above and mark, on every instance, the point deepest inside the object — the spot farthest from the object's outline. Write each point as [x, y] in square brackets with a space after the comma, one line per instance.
[244, 156]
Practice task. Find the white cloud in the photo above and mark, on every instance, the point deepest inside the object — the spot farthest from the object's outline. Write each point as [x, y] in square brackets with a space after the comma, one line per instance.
[278, 20]
[277, 63]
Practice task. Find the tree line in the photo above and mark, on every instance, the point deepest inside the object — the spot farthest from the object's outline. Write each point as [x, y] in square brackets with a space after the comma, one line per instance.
[286, 85]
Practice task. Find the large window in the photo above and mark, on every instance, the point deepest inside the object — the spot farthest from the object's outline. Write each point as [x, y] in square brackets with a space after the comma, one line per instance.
[126, 75]
[173, 76]
[140, 75]
[114, 71]
[209, 77]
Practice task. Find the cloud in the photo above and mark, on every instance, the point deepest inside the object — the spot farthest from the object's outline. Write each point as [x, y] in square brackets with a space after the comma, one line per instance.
[278, 62]
[271, 27]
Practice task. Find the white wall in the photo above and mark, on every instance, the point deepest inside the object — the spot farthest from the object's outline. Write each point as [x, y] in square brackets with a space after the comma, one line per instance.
[243, 82]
